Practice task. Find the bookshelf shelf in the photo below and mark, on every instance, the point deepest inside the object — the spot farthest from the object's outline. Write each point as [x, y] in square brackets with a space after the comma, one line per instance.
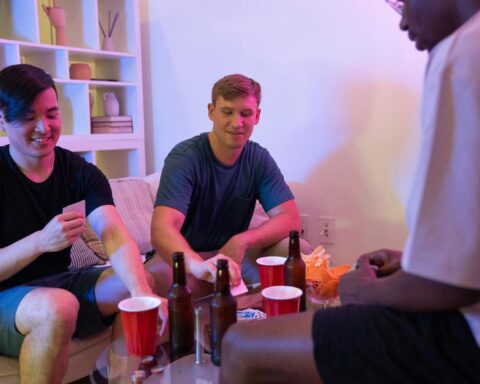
[26, 37]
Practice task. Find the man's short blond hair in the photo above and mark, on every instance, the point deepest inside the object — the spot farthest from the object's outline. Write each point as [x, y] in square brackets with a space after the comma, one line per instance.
[236, 85]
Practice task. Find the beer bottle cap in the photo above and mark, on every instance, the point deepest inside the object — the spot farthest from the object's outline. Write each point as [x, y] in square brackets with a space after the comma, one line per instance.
[222, 263]
[177, 256]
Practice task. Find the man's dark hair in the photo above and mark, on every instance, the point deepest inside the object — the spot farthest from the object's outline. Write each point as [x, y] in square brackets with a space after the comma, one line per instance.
[232, 86]
[19, 85]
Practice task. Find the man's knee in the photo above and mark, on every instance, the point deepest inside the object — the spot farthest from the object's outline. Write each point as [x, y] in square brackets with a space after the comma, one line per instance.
[161, 274]
[51, 309]
[236, 344]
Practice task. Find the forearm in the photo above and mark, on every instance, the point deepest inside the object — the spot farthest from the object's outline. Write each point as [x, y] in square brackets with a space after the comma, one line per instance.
[271, 231]
[125, 258]
[18, 255]
[167, 240]
[404, 291]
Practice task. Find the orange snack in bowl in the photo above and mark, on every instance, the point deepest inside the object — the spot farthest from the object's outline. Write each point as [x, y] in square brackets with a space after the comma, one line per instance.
[323, 280]
[340, 270]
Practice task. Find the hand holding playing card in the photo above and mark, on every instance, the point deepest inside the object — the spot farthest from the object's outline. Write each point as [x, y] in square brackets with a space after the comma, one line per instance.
[76, 207]
[64, 229]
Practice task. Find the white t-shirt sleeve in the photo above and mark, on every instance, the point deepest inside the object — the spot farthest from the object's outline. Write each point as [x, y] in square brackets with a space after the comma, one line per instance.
[444, 210]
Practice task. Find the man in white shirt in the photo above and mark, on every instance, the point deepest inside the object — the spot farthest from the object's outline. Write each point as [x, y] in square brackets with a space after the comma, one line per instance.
[415, 319]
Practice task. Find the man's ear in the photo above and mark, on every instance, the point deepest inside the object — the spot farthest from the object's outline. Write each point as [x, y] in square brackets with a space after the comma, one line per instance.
[211, 108]
[259, 111]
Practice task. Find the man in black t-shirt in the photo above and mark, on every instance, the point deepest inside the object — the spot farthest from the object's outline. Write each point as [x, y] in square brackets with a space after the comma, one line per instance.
[42, 303]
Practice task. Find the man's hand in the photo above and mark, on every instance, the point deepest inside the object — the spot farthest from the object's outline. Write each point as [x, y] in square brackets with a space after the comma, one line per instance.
[235, 248]
[207, 269]
[163, 315]
[354, 285]
[387, 261]
[60, 232]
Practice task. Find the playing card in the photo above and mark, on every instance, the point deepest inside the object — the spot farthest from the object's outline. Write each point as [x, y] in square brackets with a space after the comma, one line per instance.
[76, 207]
[239, 289]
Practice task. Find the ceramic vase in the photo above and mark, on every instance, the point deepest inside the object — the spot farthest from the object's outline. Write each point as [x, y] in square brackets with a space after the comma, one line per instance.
[108, 44]
[110, 104]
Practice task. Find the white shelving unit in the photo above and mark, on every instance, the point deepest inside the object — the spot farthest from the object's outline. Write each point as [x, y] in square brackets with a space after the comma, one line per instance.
[26, 36]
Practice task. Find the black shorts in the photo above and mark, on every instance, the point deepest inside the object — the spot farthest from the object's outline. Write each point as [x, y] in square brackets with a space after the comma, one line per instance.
[366, 344]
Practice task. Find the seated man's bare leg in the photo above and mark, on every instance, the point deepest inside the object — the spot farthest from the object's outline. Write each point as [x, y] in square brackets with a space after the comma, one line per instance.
[47, 318]
[277, 350]
[161, 272]
[110, 290]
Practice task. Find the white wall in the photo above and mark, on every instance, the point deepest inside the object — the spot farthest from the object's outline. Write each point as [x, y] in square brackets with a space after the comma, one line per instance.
[341, 89]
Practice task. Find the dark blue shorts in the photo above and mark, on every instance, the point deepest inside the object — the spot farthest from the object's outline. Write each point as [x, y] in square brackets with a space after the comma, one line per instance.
[365, 344]
[80, 282]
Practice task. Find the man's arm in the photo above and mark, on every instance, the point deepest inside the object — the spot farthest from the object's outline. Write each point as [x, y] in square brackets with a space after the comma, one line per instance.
[166, 239]
[401, 290]
[59, 233]
[283, 218]
[121, 249]
[123, 254]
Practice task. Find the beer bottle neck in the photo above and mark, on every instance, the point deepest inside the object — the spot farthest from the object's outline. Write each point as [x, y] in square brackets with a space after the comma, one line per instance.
[294, 246]
[222, 282]
[179, 272]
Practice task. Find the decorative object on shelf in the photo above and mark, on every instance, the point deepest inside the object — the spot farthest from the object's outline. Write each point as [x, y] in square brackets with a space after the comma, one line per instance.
[107, 44]
[112, 124]
[56, 15]
[80, 71]
[110, 104]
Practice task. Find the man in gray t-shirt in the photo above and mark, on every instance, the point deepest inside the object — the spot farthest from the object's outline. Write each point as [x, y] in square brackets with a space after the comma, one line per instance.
[209, 187]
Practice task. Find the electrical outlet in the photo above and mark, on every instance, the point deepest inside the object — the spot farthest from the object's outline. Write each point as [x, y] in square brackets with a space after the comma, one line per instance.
[305, 218]
[326, 227]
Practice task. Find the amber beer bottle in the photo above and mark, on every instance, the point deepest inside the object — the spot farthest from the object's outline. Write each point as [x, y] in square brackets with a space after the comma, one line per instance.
[180, 311]
[294, 268]
[223, 310]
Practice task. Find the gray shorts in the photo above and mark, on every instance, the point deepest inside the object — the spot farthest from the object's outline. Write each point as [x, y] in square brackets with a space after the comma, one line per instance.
[80, 282]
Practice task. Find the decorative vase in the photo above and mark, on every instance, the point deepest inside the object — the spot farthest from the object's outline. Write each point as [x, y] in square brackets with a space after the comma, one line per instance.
[80, 71]
[110, 104]
[108, 44]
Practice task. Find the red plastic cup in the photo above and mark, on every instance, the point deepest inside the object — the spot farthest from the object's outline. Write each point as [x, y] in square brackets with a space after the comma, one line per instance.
[271, 270]
[281, 299]
[140, 320]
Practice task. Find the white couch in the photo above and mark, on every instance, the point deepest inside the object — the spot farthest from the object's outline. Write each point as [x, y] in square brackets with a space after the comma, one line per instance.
[134, 199]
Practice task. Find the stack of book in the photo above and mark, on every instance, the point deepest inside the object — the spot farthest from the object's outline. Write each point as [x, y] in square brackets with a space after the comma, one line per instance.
[112, 124]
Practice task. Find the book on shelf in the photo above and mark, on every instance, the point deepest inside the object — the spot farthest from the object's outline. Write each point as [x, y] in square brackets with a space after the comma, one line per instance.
[112, 130]
[110, 119]
[113, 124]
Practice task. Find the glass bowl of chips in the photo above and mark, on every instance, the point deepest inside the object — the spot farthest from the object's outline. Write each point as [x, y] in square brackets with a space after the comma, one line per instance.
[322, 278]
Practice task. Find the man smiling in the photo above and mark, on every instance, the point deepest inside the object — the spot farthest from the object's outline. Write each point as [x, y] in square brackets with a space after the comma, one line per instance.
[43, 303]
[209, 187]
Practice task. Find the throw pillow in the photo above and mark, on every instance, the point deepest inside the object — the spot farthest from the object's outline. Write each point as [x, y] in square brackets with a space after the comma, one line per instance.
[93, 242]
[134, 203]
[82, 256]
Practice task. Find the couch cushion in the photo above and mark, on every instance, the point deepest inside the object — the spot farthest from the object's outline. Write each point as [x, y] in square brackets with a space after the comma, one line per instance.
[135, 205]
